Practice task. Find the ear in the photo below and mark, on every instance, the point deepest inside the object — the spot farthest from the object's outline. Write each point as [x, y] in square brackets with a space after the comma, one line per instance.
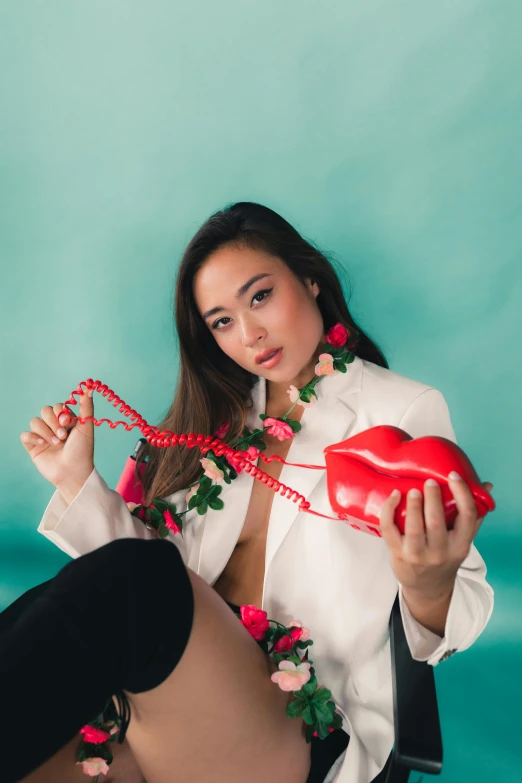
[312, 286]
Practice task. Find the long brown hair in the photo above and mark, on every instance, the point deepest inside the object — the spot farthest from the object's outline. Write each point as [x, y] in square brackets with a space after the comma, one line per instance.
[212, 389]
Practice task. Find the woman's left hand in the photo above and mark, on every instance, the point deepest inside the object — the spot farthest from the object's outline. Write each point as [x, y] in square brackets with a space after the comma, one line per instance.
[427, 556]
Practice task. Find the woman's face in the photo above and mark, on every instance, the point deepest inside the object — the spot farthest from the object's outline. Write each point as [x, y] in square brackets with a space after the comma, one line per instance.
[254, 305]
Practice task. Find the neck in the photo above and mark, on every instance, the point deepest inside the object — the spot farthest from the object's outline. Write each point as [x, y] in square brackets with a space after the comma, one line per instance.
[277, 392]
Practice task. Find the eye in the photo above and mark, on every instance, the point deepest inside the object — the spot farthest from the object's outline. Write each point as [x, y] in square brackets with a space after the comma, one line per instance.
[215, 324]
[263, 294]
[257, 298]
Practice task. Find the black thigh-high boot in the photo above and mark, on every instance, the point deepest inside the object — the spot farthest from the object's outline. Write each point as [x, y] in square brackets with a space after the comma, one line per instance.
[118, 618]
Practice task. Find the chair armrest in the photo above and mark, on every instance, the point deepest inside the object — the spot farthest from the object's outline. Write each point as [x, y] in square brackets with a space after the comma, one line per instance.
[418, 740]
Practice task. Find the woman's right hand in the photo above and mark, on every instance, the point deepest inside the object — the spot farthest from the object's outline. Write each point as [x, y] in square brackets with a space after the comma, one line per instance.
[61, 451]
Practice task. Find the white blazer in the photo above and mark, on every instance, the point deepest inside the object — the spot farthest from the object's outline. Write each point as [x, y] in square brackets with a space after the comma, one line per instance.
[336, 580]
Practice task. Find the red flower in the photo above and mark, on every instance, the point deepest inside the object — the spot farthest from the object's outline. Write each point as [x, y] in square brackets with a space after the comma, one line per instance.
[255, 621]
[337, 335]
[221, 431]
[296, 634]
[92, 734]
[169, 522]
[284, 643]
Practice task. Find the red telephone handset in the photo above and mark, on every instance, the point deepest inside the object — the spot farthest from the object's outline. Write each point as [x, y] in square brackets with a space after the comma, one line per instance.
[361, 471]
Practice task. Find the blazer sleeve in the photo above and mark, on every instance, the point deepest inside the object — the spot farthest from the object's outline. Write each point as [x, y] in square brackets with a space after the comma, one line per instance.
[472, 600]
[96, 516]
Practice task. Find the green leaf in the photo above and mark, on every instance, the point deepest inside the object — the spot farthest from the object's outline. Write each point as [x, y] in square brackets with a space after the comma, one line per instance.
[337, 721]
[263, 416]
[322, 730]
[202, 508]
[294, 425]
[294, 659]
[160, 504]
[155, 515]
[322, 711]
[304, 645]
[204, 484]
[172, 509]
[194, 500]
[309, 687]
[226, 479]
[295, 708]
[216, 505]
[307, 715]
[340, 366]
[323, 694]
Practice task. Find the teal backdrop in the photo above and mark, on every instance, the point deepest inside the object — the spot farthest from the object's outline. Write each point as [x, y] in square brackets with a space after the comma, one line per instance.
[388, 133]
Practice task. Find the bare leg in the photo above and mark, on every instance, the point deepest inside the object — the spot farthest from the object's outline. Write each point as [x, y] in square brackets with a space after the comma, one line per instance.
[217, 718]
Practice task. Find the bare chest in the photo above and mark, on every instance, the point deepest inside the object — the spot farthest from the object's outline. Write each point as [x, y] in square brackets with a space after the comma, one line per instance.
[241, 582]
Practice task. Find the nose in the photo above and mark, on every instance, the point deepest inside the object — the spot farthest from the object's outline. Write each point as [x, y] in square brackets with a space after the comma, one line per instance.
[251, 331]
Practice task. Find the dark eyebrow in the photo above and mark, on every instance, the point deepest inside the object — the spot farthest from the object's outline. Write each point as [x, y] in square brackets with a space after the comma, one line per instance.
[244, 288]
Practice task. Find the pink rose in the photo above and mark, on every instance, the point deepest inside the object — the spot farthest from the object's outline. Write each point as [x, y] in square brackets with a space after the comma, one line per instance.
[255, 621]
[92, 734]
[280, 429]
[325, 365]
[94, 766]
[211, 469]
[170, 522]
[291, 677]
[293, 393]
[337, 335]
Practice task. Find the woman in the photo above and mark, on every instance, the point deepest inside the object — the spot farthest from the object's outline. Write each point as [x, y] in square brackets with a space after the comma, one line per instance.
[254, 302]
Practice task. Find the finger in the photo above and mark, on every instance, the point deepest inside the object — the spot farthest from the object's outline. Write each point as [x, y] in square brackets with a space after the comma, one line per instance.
[63, 418]
[390, 531]
[86, 409]
[436, 529]
[414, 542]
[465, 523]
[49, 417]
[30, 440]
[40, 428]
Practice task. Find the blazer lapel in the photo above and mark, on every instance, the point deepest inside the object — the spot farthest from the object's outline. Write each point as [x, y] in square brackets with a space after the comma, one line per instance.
[327, 421]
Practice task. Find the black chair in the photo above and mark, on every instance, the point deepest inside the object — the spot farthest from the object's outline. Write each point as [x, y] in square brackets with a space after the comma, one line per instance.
[418, 740]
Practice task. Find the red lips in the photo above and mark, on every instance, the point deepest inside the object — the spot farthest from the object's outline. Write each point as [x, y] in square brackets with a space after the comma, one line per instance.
[362, 471]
